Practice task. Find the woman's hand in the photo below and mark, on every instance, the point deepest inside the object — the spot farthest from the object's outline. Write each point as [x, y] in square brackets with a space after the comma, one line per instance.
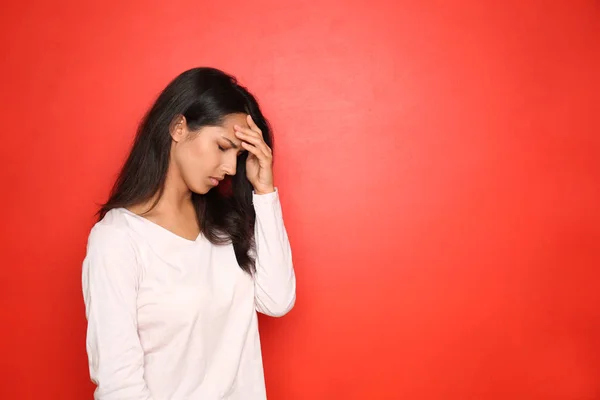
[259, 165]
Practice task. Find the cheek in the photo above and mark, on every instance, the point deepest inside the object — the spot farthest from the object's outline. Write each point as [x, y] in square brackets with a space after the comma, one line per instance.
[187, 161]
[201, 159]
[205, 155]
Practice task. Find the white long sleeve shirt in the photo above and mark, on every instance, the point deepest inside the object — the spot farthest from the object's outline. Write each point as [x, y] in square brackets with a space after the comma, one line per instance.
[176, 319]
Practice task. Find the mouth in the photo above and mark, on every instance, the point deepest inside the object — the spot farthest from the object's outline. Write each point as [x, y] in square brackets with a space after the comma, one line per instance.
[215, 181]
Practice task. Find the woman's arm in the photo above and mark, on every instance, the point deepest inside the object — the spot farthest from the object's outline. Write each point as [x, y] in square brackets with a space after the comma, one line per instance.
[110, 283]
[275, 281]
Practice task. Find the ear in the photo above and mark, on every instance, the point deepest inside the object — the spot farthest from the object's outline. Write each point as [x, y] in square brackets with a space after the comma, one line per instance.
[178, 128]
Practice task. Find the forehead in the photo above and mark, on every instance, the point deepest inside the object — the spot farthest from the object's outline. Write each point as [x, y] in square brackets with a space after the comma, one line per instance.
[226, 127]
[234, 119]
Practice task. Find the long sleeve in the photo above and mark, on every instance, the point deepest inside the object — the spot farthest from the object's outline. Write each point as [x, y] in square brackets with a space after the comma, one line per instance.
[275, 280]
[110, 282]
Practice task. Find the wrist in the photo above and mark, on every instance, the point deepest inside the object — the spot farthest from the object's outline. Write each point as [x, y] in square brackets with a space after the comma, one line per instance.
[263, 191]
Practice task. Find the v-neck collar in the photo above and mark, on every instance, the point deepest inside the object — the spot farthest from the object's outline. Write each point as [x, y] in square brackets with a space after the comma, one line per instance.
[156, 235]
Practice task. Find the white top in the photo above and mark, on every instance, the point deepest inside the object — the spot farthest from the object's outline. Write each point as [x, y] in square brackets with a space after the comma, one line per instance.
[175, 319]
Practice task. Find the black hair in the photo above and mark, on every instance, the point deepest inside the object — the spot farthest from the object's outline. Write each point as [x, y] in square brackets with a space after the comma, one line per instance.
[204, 96]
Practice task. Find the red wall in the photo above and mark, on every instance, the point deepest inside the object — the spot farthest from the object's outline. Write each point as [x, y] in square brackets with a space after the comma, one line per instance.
[437, 166]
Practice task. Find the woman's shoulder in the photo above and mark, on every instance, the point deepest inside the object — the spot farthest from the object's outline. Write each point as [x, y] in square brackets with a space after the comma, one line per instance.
[113, 231]
[111, 252]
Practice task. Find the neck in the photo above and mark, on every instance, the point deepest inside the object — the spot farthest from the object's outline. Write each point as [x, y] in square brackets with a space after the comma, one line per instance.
[176, 197]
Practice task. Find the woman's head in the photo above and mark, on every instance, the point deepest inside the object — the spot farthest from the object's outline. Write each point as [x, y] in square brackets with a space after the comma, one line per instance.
[204, 156]
[199, 109]
[188, 132]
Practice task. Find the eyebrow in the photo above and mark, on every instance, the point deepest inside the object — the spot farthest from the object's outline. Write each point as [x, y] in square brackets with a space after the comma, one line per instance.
[235, 146]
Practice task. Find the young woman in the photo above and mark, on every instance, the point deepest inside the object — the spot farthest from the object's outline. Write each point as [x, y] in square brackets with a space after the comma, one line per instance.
[189, 247]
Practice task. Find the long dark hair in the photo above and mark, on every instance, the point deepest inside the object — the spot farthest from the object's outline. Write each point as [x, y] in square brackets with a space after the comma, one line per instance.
[204, 96]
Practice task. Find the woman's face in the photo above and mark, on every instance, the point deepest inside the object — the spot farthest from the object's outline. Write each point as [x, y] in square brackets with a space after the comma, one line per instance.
[204, 157]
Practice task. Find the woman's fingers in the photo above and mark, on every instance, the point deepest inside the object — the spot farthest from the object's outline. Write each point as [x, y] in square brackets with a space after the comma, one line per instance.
[262, 157]
[250, 136]
[253, 126]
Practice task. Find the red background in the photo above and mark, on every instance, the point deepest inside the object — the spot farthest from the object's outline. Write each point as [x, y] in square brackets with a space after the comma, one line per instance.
[438, 168]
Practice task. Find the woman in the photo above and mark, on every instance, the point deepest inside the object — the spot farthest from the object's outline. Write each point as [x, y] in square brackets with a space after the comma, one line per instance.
[190, 245]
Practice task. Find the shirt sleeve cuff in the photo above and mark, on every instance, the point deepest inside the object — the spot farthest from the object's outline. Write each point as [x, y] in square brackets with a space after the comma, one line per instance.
[265, 198]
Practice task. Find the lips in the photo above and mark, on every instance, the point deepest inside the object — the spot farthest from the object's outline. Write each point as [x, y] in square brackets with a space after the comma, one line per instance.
[215, 181]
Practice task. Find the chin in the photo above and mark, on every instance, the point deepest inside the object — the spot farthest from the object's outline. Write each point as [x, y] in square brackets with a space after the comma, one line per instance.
[201, 189]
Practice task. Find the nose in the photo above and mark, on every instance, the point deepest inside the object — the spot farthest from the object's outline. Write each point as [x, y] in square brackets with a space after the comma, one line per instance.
[229, 167]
